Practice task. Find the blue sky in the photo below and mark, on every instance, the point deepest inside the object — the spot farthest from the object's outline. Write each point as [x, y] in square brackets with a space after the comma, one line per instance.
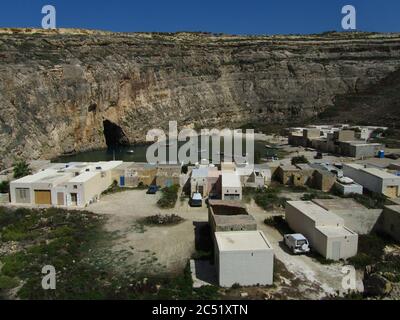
[227, 16]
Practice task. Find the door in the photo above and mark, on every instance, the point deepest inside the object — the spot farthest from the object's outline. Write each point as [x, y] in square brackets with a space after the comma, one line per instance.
[60, 198]
[74, 199]
[201, 190]
[336, 250]
[121, 181]
[391, 191]
[42, 197]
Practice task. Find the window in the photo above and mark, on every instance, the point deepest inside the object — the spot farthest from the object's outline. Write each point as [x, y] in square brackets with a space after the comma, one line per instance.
[75, 186]
[22, 195]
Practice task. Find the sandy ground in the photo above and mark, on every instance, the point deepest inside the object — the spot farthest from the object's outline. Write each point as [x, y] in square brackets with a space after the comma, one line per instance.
[168, 248]
[172, 246]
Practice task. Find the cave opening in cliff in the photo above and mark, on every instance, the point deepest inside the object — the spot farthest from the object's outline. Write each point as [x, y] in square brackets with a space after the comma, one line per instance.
[114, 135]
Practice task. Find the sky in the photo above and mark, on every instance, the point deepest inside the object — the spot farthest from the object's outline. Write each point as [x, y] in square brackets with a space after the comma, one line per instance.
[219, 16]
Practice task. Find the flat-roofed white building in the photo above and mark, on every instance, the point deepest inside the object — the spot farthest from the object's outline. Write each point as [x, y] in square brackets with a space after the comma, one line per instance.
[373, 179]
[231, 186]
[243, 257]
[324, 230]
[72, 184]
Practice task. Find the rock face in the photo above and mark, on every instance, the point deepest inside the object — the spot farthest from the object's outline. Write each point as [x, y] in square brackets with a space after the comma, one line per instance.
[58, 88]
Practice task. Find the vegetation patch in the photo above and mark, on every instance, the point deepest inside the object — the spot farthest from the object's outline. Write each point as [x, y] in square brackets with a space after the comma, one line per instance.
[168, 197]
[4, 187]
[162, 220]
[370, 251]
[268, 199]
[21, 169]
[75, 243]
[299, 159]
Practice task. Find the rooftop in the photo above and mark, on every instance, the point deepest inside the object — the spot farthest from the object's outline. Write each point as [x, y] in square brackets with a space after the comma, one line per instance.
[373, 171]
[332, 231]
[339, 204]
[230, 179]
[316, 213]
[242, 241]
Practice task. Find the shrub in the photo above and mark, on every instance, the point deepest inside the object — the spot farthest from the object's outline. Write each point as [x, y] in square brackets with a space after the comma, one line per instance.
[21, 169]
[4, 187]
[160, 219]
[269, 199]
[299, 159]
[8, 282]
[169, 197]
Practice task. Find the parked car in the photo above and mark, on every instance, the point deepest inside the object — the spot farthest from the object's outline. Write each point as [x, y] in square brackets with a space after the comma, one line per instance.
[196, 200]
[152, 189]
[297, 243]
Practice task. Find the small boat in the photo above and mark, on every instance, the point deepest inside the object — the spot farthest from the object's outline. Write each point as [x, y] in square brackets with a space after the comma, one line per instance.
[130, 151]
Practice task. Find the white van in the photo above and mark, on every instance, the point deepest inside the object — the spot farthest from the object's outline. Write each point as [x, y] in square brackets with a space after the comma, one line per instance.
[297, 243]
[196, 200]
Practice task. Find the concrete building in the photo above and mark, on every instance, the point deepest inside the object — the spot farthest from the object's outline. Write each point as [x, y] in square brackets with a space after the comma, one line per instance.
[373, 179]
[285, 174]
[229, 216]
[256, 176]
[324, 230]
[231, 186]
[168, 175]
[243, 257]
[390, 221]
[132, 174]
[346, 186]
[339, 140]
[72, 184]
[205, 180]
[323, 180]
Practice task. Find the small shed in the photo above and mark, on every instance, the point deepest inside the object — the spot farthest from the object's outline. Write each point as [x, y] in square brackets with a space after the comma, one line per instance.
[243, 257]
[324, 230]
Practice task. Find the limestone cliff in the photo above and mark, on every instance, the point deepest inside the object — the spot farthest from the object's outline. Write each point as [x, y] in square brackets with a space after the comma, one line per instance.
[59, 88]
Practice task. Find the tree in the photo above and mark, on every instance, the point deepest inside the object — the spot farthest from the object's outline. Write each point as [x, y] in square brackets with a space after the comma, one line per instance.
[4, 187]
[299, 159]
[21, 169]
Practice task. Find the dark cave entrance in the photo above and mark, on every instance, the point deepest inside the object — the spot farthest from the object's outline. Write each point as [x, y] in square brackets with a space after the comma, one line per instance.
[114, 135]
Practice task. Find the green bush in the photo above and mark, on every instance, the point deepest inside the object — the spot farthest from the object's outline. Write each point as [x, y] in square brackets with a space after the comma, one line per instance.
[21, 169]
[159, 219]
[269, 199]
[168, 197]
[4, 187]
[299, 159]
[8, 282]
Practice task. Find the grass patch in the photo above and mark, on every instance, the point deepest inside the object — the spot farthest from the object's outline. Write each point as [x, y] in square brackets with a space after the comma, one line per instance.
[168, 197]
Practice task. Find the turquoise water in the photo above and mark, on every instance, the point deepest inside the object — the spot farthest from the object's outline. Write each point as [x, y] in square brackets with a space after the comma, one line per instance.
[139, 153]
